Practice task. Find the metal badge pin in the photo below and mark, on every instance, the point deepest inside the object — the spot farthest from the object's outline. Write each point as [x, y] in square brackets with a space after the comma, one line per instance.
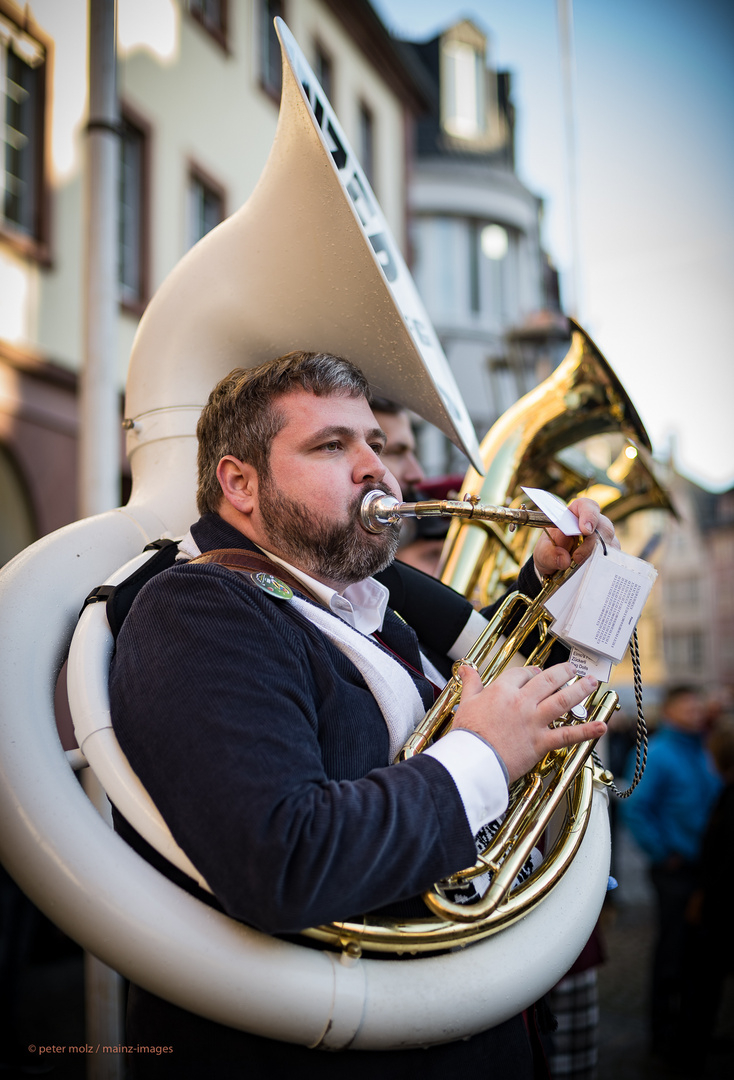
[272, 585]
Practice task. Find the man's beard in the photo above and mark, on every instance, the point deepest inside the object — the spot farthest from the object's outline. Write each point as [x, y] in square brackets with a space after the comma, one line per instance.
[345, 553]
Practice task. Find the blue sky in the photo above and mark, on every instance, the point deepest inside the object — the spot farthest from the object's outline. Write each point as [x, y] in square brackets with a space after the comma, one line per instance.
[654, 129]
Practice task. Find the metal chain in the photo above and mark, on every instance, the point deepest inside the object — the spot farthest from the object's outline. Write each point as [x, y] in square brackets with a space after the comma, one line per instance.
[641, 735]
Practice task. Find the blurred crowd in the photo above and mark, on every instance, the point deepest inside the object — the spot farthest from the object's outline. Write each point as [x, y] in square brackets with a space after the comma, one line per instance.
[682, 818]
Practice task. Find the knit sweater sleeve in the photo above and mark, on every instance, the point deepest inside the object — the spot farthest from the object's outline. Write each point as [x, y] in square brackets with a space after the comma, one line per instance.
[227, 705]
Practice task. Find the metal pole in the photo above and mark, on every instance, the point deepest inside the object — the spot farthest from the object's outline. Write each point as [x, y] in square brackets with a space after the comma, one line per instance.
[99, 426]
[568, 71]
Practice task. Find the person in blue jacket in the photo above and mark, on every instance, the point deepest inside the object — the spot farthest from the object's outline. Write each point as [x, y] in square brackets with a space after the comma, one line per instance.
[667, 816]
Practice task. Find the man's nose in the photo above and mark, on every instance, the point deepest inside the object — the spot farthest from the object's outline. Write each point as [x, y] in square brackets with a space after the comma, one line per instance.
[368, 466]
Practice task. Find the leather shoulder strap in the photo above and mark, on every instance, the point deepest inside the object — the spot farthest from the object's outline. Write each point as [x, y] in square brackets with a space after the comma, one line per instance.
[252, 562]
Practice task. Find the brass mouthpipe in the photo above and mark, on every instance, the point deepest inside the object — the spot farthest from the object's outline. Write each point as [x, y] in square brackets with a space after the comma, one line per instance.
[379, 510]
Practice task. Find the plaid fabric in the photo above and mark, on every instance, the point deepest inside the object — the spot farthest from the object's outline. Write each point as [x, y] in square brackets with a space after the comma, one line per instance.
[575, 1002]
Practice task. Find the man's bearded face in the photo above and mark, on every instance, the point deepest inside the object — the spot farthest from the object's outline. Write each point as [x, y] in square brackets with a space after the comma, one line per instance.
[343, 552]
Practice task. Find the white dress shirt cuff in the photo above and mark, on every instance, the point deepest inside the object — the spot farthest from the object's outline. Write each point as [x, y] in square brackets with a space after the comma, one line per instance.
[478, 773]
[473, 627]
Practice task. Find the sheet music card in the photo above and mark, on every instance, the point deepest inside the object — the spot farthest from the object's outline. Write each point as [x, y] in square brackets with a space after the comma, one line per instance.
[587, 663]
[598, 607]
[555, 509]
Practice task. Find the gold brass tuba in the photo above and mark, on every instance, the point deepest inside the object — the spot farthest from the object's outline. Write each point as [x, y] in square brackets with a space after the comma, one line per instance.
[553, 801]
[541, 442]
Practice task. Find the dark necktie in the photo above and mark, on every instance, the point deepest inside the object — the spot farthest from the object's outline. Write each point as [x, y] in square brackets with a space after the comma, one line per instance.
[401, 640]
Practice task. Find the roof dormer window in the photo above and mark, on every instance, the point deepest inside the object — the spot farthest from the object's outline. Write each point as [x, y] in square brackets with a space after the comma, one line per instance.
[463, 90]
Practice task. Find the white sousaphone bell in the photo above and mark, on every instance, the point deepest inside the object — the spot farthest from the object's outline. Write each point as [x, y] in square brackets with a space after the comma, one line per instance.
[307, 263]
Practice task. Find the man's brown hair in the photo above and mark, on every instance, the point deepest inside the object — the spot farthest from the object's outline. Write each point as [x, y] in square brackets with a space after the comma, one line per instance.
[241, 417]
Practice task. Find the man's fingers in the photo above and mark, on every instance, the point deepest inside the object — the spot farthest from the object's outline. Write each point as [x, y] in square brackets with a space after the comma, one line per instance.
[588, 513]
[549, 681]
[471, 682]
[547, 690]
[518, 677]
[585, 550]
[569, 696]
[570, 734]
[554, 550]
[560, 697]
[514, 677]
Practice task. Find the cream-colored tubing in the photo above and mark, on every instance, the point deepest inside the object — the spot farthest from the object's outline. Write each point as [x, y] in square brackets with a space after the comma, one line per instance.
[218, 309]
[103, 895]
[87, 683]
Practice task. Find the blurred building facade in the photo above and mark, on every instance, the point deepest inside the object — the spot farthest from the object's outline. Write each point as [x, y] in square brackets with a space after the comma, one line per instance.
[697, 587]
[199, 92]
[720, 546]
[478, 259]
[686, 631]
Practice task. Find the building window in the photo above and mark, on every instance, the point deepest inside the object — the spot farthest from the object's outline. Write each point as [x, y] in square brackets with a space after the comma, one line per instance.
[271, 73]
[205, 205]
[212, 15]
[22, 99]
[463, 90]
[488, 247]
[682, 592]
[475, 277]
[439, 258]
[506, 388]
[684, 652]
[324, 71]
[133, 216]
[367, 142]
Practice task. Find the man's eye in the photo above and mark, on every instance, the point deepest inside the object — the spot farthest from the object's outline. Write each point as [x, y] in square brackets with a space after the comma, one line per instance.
[379, 448]
[334, 445]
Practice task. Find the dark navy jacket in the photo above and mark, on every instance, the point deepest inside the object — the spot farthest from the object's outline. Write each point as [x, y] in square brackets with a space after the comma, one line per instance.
[265, 752]
[267, 755]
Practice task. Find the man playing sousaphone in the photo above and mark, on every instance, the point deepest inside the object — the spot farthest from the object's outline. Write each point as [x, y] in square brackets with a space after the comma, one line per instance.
[261, 708]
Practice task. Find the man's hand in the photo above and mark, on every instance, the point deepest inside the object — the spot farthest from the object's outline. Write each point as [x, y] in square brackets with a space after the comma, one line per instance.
[514, 712]
[554, 549]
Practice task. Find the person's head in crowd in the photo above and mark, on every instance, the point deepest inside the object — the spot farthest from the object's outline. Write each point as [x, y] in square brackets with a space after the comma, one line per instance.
[421, 540]
[683, 708]
[400, 451]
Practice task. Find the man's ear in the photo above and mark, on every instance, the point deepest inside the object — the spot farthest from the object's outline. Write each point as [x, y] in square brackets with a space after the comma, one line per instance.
[238, 481]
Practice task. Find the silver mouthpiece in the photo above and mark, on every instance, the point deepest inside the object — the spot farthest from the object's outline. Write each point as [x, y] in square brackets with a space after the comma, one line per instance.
[378, 511]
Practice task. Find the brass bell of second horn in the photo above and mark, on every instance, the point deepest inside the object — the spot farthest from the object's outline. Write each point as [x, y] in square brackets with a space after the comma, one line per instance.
[581, 400]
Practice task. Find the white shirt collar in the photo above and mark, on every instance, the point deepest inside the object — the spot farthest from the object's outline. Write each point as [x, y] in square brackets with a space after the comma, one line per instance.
[361, 605]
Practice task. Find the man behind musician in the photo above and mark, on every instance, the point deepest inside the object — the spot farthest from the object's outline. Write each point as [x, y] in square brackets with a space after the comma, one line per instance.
[263, 726]
[421, 540]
